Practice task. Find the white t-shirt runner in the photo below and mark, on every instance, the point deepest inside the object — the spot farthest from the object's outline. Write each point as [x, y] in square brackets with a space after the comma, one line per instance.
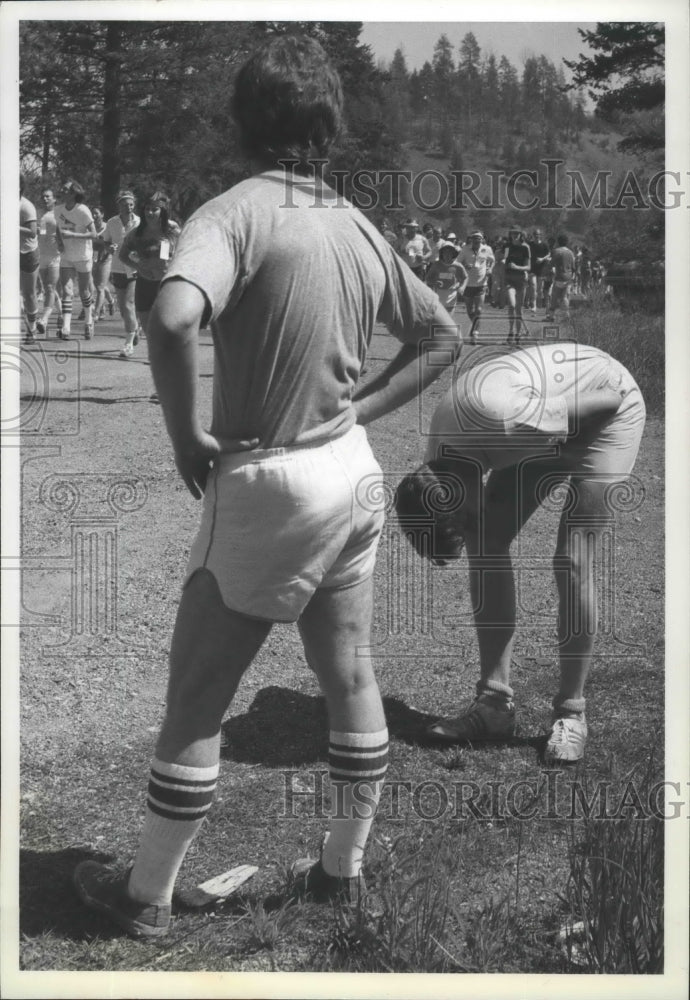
[47, 241]
[27, 213]
[115, 232]
[75, 220]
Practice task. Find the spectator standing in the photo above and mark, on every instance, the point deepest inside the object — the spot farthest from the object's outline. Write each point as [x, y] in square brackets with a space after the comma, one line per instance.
[287, 534]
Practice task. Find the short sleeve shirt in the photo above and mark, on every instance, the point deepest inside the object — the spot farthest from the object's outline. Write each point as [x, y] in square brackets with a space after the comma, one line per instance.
[294, 278]
[517, 253]
[115, 232]
[563, 261]
[515, 406]
[538, 249]
[47, 242]
[75, 220]
[478, 264]
[27, 214]
[154, 251]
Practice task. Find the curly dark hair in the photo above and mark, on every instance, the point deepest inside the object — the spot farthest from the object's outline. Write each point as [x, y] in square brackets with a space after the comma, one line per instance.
[428, 503]
[288, 102]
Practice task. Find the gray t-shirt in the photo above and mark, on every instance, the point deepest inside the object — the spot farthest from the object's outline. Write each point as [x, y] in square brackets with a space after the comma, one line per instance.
[294, 280]
[563, 261]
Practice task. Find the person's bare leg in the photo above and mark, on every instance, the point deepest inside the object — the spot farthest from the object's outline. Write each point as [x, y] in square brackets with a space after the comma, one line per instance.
[336, 632]
[212, 647]
[509, 499]
[575, 568]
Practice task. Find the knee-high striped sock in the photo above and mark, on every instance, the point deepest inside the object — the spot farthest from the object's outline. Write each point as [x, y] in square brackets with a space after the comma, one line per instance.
[66, 314]
[178, 800]
[87, 302]
[357, 764]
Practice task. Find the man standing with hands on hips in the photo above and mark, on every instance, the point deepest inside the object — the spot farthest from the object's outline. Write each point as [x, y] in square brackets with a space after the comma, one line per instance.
[289, 530]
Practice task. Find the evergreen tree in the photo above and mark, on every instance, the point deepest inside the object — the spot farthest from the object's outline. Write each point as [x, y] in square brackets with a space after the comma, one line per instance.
[469, 80]
[444, 70]
[625, 78]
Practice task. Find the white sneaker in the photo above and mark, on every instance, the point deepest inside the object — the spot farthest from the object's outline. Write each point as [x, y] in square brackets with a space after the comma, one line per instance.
[127, 351]
[566, 743]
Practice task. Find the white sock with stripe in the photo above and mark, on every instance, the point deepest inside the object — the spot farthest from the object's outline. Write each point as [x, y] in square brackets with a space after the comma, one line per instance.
[357, 764]
[178, 800]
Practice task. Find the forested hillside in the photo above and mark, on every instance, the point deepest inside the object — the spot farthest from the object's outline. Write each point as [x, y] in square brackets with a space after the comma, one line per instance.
[141, 103]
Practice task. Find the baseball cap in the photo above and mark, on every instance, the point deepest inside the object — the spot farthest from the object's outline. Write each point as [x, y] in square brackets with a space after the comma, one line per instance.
[411, 223]
[478, 233]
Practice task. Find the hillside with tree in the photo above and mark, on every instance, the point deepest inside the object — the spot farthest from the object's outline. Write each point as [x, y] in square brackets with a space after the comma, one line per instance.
[139, 103]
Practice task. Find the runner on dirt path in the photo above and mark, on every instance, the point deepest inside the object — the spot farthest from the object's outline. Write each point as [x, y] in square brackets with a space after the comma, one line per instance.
[49, 265]
[75, 234]
[517, 264]
[122, 277]
[292, 512]
[149, 248]
[566, 413]
[29, 260]
[477, 258]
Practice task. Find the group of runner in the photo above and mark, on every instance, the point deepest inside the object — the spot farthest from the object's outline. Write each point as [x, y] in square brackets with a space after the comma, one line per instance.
[72, 248]
[520, 272]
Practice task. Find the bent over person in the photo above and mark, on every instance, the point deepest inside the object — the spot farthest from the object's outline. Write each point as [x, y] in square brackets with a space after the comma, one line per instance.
[292, 293]
[531, 420]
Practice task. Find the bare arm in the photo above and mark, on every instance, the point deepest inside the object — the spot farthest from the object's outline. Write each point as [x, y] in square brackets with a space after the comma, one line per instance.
[412, 369]
[173, 353]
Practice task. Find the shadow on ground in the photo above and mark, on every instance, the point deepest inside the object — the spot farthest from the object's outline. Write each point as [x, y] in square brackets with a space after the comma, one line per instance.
[48, 901]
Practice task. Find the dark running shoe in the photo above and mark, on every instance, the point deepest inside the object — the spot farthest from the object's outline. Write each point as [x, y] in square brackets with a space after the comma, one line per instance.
[314, 885]
[104, 889]
[483, 721]
[40, 328]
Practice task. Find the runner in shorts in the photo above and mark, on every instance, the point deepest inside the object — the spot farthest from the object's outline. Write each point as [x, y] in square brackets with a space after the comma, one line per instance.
[563, 268]
[102, 262]
[566, 413]
[150, 248]
[49, 264]
[477, 258]
[123, 277]
[517, 264]
[292, 508]
[28, 261]
[75, 233]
